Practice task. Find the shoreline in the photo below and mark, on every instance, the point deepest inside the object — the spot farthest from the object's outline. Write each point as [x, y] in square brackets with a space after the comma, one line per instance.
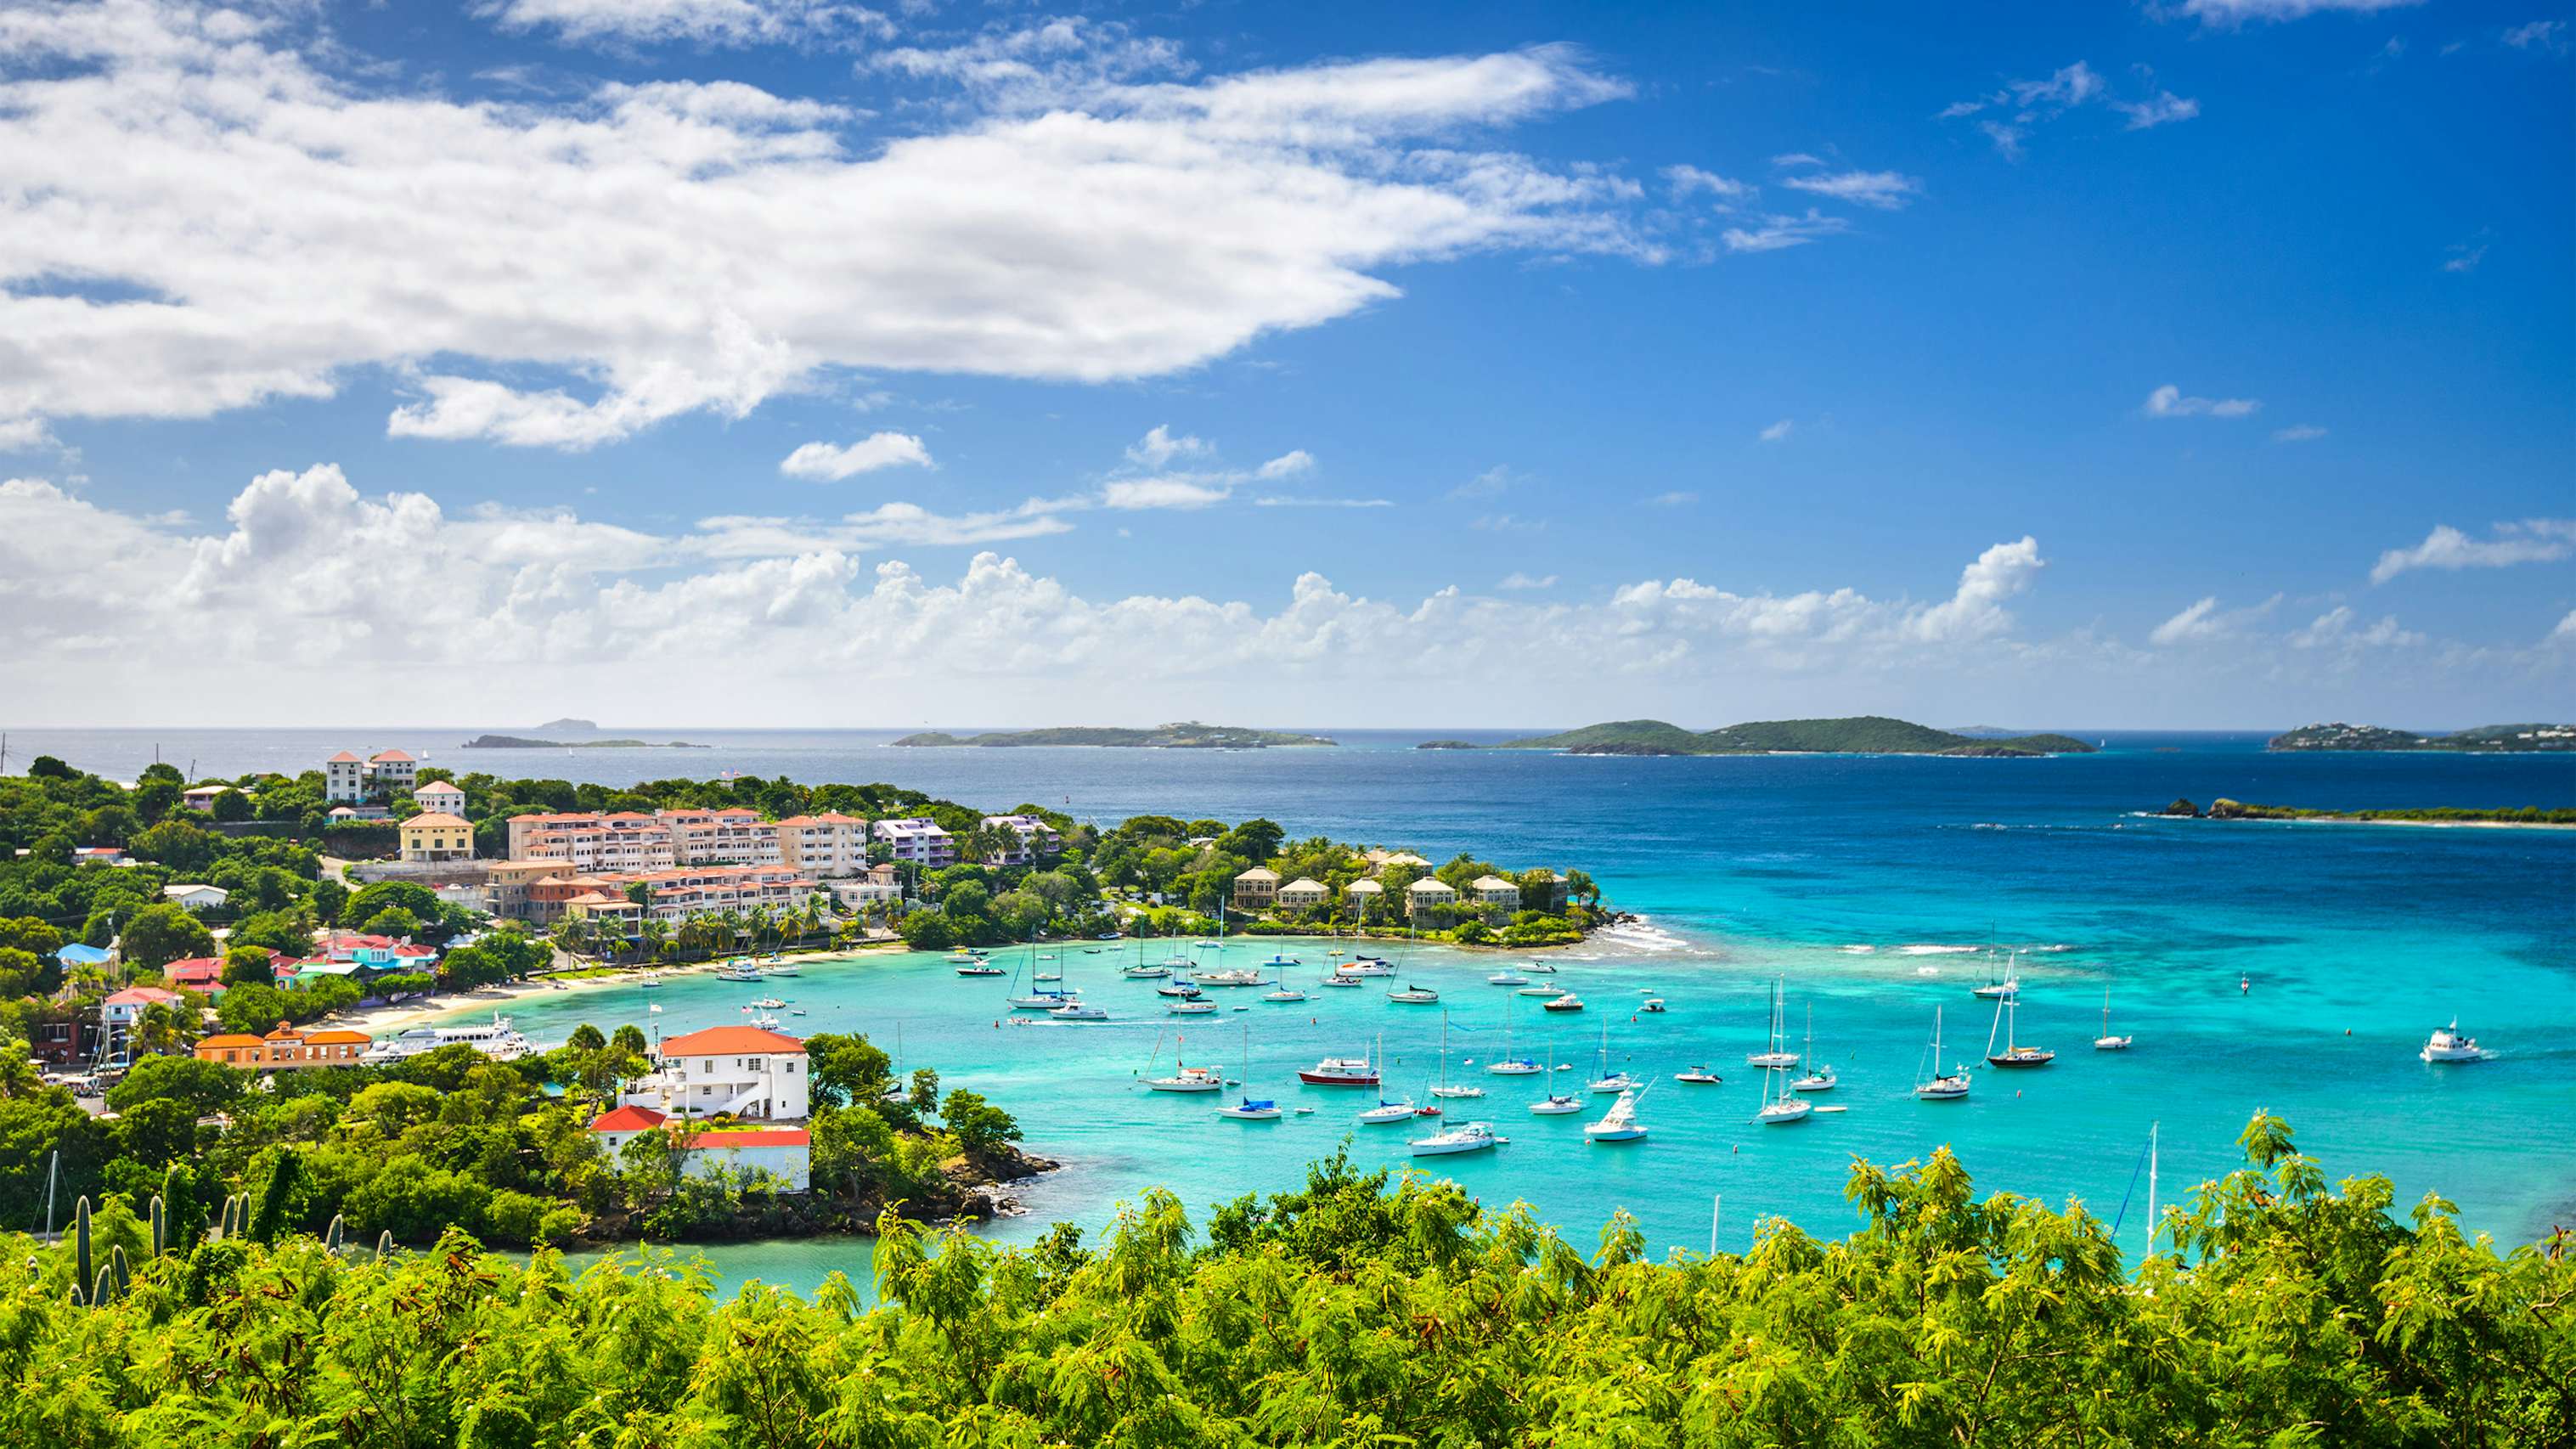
[395, 1017]
[2368, 820]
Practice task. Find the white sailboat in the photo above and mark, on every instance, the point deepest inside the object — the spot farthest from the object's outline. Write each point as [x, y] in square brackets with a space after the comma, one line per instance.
[1609, 1082]
[1937, 1087]
[1508, 1065]
[1818, 1078]
[1780, 1105]
[1444, 1090]
[1555, 1104]
[2004, 987]
[2014, 1054]
[1777, 1054]
[1250, 1108]
[1187, 1078]
[2107, 1042]
[1385, 1111]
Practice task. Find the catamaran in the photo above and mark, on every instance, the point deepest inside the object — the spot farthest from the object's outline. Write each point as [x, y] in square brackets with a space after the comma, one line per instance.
[2013, 1054]
[2107, 1042]
[1821, 1079]
[1936, 1087]
[1780, 1105]
[1443, 1089]
[1619, 1124]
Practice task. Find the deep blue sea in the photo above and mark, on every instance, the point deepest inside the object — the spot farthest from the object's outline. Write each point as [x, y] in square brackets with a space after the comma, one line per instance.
[1868, 883]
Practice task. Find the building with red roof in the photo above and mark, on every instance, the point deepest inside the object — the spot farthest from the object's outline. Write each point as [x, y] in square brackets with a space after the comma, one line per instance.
[741, 1071]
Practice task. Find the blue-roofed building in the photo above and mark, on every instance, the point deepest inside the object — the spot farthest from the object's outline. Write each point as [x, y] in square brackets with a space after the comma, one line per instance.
[80, 955]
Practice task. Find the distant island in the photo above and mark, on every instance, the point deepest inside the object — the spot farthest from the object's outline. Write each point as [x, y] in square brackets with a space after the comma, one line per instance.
[2505, 739]
[569, 726]
[1446, 745]
[2226, 809]
[1187, 735]
[522, 742]
[1858, 735]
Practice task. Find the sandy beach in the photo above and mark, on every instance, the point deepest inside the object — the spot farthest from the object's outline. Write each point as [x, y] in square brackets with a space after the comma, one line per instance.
[386, 1020]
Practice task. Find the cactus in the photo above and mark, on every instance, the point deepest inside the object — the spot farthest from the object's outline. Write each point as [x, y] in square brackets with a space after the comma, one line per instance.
[80, 1237]
[160, 1227]
[331, 1235]
[99, 1293]
[384, 1244]
[120, 1273]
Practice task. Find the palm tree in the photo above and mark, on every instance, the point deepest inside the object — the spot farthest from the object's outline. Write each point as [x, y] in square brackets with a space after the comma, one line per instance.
[654, 936]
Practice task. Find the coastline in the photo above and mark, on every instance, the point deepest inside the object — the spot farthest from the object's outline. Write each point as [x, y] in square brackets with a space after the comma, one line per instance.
[391, 1018]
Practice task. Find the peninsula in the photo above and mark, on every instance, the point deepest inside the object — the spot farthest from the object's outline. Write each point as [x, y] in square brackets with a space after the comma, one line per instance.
[2504, 739]
[1856, 735]
[1187, 735]
[2532, 815]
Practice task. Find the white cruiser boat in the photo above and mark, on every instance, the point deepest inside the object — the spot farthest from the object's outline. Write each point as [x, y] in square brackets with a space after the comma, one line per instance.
[1340, 1072]
[1413, 995]
[783, 968]
[1386, 1112]
[1284, 993]
[1340, 980]
[2446, 1044]
[1076, 1011]
[981, 968]
[1699, 1076]
[1507, 978]
[737, 971]
[498, 1041]
[1567, 1002]
[1936, 1087]
[1540, 991]
[767, 1003]
[1193, 1007]
[1231, 976]
[1652, 1005]
[1619, 1124]
[1465, 1137]
[1366, 966]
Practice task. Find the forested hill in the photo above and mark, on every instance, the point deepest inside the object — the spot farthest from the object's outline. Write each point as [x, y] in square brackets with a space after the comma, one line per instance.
[1189, 735]
[2484, 739]
[1856, 735]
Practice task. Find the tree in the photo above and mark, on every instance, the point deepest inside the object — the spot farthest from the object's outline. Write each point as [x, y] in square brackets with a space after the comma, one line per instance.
[1254, 840]
[18, 971]
[231, 806]
[249, 966]
[628, 1040]
[924, 1096]
[160, 934]
[280, 931]
[586, 1038]
[204, 1088]
[174, 843]
[418, 900]
[979, 1125]
[846, 1069]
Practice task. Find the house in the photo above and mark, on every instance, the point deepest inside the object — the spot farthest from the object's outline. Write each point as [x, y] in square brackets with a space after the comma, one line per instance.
[743, 1070]
[879, 885]
[1401, 857]
[918, 840]
[785, 1153]
[440, 795]
[1495, 893]
[1302, 894]
[1359, 895]
[1428, 891]
[344, 779]
[202, 797]
[98, 855]
[195, 897]
[826, 846]
[1256, 889]
[1036, 838]
[393, 770]
[121, 1010]
[199, 973]
[288, 1048]
[436, 837]
[77, 954]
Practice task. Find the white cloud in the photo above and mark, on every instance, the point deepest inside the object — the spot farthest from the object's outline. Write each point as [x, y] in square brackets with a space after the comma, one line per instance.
[832, 461]
[1886, 190]
[2298, 433]
[2204, 621]
[1494, 482]
[2229, 14]
[2566, 629]
[1159, 447]
[2161, 109]
[1976, 610]
[1779, 431]
[2549, 36]
[2169, 402]
[23, 435]
[1777, 232]
[1797, 158]
[1678, 498]
[2007, 138]
[1517, 581]
[706, 22]
[2032, 103]
[253, 227]
[2533, 540]
[2071, 86]
[1688, 181]
[2334, 630]
[1163, 492]
[1287, 465]
[2464, 256]
[1276, 501]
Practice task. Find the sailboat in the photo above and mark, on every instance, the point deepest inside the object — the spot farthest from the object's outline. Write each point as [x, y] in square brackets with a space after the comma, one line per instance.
[1619, 1124]
[1442, 1090]
[1780, 1105]
[1820, 1079]
[2014, 1054]
[2004, 987]
[1508, 1065]
[1250, 1108]
[2107, 1042]
[1778, 1054]
[1555, 1104]
[1385, 1111]
[1609, 1081]
[1936, 1087]
[1187, 1078]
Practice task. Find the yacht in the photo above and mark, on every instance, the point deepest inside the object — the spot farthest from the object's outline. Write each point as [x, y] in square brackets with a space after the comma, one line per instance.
[961, 958]
[1189, 1079]
[1619, 1124]
[1568, 1002]
[981, 968]
[1250, 1108]
[2004, 987]
[2447, 1045]
[737, 970]
[1936, 1087]
[1513, 1067]
[1340, 1072]
[498, 1040]
[1337, 979]
[2107, 1042]
[1609, 1081]
[1780, 1105]
[1142, 972]
[1821, 1079]
[1192, 1006]
[785, 968]
[1366, 966]
[1178, 987]
[1465, 1137]
[1556, 1104]
[2014, 1054]
[1231, 976]
[1549, 991]
[1386, 1112]
[1699, 1076]
[1076, 1011]
[1413, 995]
[1507, 977]
[1284, 993]
[767, 1003]
[1652, 1006]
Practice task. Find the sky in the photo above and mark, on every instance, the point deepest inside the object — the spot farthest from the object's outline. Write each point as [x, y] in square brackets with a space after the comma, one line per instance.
[2207, 364]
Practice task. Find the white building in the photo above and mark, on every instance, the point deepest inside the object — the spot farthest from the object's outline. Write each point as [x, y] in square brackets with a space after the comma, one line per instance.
[344, 779]
[195, 897]
[786, 1153]
[1036, 838]
[744, 1070]
[1428, 891]
[879, 884]
[829, 845]
[202, 797]
[1302, 894]
[1493, 891]
[440, 797]
[918, 840]
[734, 835]
[348, 780]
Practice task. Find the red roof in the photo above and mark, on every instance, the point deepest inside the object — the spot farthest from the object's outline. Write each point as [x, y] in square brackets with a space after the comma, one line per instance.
[718, 1041]
[195, 968]
[343, 758]
[141, 996]
[627, 1119]
[771, 1137]
[396, 755]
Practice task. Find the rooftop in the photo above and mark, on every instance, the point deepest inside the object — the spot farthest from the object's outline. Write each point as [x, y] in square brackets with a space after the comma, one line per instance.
[721, 1040]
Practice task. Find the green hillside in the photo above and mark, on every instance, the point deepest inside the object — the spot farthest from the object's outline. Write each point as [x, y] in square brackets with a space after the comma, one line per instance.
[1856, 735]
[1189, 735]
[2482, 739]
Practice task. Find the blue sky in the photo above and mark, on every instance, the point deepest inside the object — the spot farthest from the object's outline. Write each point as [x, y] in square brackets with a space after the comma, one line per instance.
[2203, 364]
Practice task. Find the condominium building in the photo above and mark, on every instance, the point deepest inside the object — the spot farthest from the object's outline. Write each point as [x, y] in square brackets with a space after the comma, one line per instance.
[918, 840]
[621, 840]
[1036, 838]
[348, 780]
[676, 895]
[441, 796]
[733, 835]
[1256, 889]
[826, 846]
[744, 1070]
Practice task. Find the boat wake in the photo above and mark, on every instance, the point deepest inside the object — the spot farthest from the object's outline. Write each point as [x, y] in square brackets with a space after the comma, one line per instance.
[1929, 950]
[1859, 950]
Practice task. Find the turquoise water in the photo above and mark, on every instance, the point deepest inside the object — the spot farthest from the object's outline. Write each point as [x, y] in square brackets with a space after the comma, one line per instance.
[2357, 940]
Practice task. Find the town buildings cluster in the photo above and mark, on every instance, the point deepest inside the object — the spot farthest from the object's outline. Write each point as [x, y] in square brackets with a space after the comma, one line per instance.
[1260, 890]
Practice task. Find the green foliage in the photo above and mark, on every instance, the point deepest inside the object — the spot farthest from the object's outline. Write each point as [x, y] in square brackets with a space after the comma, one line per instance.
[1860, 734]
[157, 935]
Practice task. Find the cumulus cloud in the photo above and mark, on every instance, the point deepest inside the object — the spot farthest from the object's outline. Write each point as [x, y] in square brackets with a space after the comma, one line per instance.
[222, 222]
[2231, 14]
[832, 461]
[2169, 402]
[1976, 610]
[21, 435]
[2566, 630]
[1689, 181]
[1886, 190]
[2336, 629]
[1287, 465]
[705, 22]
[2161, 109]
[1159, 447]
[2532, 540]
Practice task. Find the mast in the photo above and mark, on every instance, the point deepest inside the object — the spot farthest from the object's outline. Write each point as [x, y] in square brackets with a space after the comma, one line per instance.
[2151, 1187]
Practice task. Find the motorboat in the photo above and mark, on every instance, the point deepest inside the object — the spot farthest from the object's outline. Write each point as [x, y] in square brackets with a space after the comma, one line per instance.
[1340, 1072]
[1189, 1079]
[961, 958]
[1652, 1005]
[1465, 1137]
[1050, 976]
[1619, 1124]
[649, 983]
[765, 1022]
[1937, 1087]
[1366, 966]
[1699, 1076]
[1340, 980]
[2014, 1054]
[982, 968]
[2107, 1042]
[1284, 994]
[1507, 977]
[1556, 1104]
[784, 968]
[1251, 1110]
[1385, 1113]
[1780, 1105]
[1413, 995]
[1540, 991]
[1457, 1091]
[1076, 1011]
[1193, 1007]
[733, 972]
[1282, 962]
[1568, 1002]
[768, 1003]
[1538, 968]
[2446, 1044]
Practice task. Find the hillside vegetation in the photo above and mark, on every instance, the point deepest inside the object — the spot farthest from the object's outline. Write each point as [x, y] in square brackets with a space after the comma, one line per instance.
[2482, 739]
[2281, 1310]
[1856, 735]
[1189, 735]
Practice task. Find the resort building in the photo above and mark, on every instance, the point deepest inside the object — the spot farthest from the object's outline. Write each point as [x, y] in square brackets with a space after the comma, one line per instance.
[1494, 892]
[1036, 838]
[676, 895]
[1384, 859]
[1256, 889]
[827, 846]
[506, 885]
[287, 1048]
[734, 835]
[344, 779]
[621, 840]
[197, 973]
[340, 813]
[919, 841]
[745, 1071]
[195, 897]
[348, 780]
[1359, 895]
[879, 885]
[1302, 894]
[202, 797]
[785, 1153]
[437, 838]
[439, 795]
[1428, 891]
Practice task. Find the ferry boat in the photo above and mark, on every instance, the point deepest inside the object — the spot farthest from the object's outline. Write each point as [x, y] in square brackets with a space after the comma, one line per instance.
[2446, 1044]
[1465, 1137]
[1413, 995]
[498, 1040]
[1340, 1072]
[1619, 1124]
[1567, 1002]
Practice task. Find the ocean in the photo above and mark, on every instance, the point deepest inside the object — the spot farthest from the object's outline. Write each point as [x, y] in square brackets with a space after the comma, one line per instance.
[1871, 886]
